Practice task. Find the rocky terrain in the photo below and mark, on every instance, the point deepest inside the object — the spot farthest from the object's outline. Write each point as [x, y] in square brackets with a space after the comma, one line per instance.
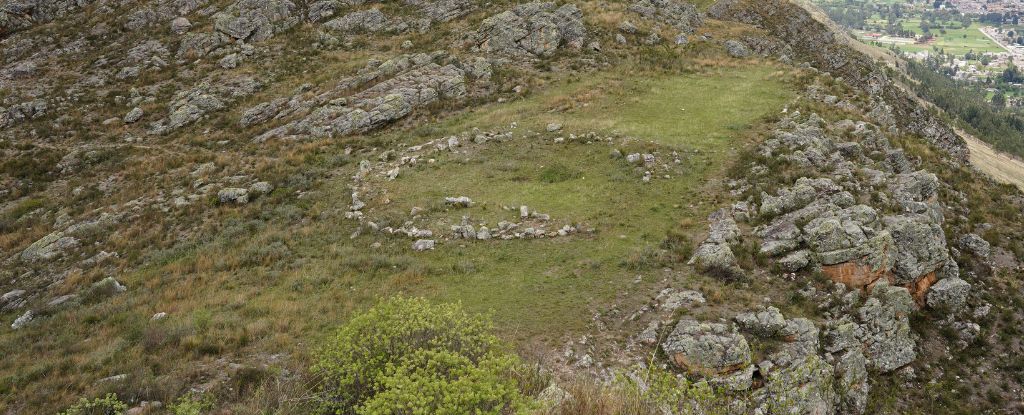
[195, 192]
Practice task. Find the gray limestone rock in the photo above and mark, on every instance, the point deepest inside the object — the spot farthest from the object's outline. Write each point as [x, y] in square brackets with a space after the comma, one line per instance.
[235, 195]
[975, 245]
[706, 348]
[949, 295]
[765, 323]
[49, 247]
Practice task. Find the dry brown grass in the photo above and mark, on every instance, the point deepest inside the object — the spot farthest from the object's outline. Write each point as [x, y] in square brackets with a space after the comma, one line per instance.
[591, 398]
[1000, 166]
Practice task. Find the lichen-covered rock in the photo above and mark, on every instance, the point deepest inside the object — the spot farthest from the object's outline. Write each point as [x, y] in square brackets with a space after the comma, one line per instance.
[737, 49]
[671, 300]
[802, 385]
[235, 195]
[133, 116]
[23, 320]
[49, 247]
[372, 20]
[423, 245]
[16, 15]
[107, 287]
[851, 383]
[765, 323]
[885, 329]
[788, 199]
[949, 294]
[920, 246]
[716, 259]
[408, 83]
[975, 245]
[706, 348]
[532, 30]
[191, 105]
[679, 14]
[795, 261]
[723, 227]
[255, 20]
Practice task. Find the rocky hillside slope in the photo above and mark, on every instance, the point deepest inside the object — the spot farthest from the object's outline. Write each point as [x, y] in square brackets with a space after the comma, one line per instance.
[196, 192]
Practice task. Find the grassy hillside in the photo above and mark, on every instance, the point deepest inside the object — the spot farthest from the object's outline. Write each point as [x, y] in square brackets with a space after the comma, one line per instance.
[276, 279]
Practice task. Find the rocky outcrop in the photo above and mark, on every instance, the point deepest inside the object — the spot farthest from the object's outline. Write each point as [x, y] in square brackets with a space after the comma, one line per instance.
[532, 30]
[818, 222]
[404, 84]
[16, 15]
[681, 15]
[208, 96]
[714, 255]
[255, 20]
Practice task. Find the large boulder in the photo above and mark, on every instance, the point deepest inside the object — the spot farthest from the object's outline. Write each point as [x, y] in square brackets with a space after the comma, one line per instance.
[532, 30]
[765, 323]
[717, 259]
[679, 14]
[920, 246]
[233, 195]
[706, 348]
[255, 20]
[949, 294]
[975, 245]
[49, 247]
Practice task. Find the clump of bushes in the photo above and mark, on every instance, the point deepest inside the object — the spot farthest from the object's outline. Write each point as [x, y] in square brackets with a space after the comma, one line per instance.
[107, 405]
[409, 356]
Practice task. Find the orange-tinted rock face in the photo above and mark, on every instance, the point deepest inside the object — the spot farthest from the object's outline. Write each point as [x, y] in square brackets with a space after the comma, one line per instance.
[861, 277]
[919, 288]
[855, 275]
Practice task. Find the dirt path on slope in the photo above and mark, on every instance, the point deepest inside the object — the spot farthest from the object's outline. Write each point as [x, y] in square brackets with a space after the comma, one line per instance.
[1000, 166]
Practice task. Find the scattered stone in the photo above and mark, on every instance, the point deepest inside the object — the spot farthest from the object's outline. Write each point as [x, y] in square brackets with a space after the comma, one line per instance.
[233, 195]
[180, 25]
[423, 245]
[737, 49]
[261, 188]
[133, 116]
[554, 127]
[460, 201]
[23, 320]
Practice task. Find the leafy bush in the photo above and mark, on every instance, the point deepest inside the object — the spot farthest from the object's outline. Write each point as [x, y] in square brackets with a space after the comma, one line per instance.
[407, 356]
[191, 404]
[107, 405]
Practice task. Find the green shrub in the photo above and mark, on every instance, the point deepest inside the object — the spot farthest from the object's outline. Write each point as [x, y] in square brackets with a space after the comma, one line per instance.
[191, 404]
[407, 356]
[107, 405]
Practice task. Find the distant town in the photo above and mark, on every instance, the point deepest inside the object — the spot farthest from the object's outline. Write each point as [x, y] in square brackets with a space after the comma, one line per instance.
[987, 6]
[977, 41]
